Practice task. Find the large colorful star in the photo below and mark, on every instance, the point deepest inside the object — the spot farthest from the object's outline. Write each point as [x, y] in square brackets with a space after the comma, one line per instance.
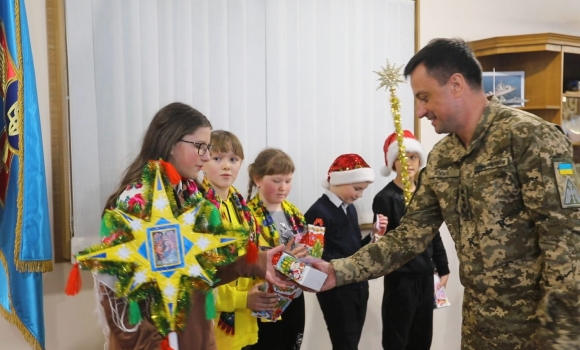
[163, 249]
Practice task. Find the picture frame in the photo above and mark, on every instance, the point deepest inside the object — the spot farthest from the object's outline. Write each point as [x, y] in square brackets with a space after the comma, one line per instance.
[165, 247]
[508, 87]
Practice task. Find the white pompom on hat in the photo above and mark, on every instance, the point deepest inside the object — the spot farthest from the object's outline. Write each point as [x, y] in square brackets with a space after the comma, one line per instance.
[348, 169]
[391, 149]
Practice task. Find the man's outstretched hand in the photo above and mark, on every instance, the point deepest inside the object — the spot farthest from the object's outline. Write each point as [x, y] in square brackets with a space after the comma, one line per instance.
[280, 280]
[327, 268]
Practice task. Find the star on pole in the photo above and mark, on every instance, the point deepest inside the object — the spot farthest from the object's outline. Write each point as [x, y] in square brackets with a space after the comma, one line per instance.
[163, 249]
[390, 76]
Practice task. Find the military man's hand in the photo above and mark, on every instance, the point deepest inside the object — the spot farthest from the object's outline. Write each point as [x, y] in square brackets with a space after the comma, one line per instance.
[327, 268]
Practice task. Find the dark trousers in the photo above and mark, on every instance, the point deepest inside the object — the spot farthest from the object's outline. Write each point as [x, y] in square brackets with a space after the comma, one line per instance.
[344, 309]
[407, 312]
[284, 334]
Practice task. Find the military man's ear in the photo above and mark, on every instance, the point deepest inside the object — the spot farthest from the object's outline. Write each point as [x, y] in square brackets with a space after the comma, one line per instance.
[458, 84]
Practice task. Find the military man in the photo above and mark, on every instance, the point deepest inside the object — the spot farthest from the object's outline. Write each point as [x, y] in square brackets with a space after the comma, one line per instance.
[503, 181]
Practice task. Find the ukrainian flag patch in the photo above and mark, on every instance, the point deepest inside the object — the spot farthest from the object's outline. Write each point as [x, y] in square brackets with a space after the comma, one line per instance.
[567, 183]
[566, 168]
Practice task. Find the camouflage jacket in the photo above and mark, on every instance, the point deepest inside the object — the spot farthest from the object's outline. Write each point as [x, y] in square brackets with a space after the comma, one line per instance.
[511, 204]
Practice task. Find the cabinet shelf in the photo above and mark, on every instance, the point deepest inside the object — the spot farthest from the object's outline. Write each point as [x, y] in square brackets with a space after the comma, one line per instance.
[548, 60]
[571, 94]
[531, 108]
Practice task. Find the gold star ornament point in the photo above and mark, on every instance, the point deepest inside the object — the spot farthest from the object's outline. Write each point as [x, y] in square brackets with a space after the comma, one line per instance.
[390, 76]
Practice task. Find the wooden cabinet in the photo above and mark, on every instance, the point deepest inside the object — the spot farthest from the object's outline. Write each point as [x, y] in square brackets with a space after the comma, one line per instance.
[548, 60]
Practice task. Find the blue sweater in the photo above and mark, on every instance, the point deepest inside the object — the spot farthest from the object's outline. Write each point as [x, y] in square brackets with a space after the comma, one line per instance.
[342, 237]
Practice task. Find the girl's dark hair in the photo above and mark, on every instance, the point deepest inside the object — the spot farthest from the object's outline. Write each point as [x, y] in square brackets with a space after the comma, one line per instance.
[168, 126]
[271, 161]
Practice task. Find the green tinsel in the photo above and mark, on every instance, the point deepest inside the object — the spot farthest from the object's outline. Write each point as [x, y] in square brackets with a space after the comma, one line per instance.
[113, 268]
[104, 232]
[183, 302]
[134, 313]
[157, 307]
[209, 305]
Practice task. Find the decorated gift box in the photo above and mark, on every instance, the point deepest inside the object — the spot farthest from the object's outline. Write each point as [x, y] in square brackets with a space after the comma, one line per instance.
[313, 239]
[298, 271]
[285, 295]
[441, 299]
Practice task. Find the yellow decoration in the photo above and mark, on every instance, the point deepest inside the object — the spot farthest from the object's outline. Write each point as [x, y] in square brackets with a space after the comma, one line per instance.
[390, 76]
[165, 266]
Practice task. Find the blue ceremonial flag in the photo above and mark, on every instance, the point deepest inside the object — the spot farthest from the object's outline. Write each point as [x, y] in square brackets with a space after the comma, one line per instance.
[25, 242]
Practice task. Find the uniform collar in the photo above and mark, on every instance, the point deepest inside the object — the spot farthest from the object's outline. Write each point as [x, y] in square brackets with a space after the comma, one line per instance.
[457, 151]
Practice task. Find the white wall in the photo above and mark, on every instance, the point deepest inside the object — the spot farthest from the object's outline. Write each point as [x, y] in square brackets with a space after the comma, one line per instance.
[70, 323]
[309, 63]
[473, 20]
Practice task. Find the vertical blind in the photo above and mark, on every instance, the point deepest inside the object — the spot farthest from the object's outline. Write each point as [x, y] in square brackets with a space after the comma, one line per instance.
[296, 75]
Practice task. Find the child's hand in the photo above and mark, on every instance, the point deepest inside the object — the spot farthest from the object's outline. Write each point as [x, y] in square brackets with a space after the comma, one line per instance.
[299, 251]
[380, 226]
[272, 275]
[261, 301]
[443, 281]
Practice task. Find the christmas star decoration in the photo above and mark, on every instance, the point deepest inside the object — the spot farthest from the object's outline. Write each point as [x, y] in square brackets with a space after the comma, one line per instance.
[390, 76]
[164, 248]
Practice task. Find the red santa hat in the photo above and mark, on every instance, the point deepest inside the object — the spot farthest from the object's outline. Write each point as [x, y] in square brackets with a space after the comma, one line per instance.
[391, 149]
[348, 169]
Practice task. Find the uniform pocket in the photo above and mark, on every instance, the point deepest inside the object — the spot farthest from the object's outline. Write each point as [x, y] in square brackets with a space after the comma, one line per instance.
[498, 209]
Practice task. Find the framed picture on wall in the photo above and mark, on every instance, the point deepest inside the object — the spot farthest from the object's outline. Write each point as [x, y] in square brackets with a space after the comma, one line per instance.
[508, 87]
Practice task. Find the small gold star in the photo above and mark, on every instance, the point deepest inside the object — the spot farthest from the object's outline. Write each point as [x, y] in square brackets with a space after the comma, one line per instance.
[390, 76]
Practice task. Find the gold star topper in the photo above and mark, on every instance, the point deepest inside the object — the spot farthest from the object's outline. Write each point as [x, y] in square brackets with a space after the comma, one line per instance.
[390, 76]
[163, 249]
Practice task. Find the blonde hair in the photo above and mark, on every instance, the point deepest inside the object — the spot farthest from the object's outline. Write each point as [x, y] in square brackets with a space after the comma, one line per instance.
[224, 141]
[271, 161]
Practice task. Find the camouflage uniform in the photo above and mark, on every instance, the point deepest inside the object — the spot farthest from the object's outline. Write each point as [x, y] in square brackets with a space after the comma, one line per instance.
[514, 217]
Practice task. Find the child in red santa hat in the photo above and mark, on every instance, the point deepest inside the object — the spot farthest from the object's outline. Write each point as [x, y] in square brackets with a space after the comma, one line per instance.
[408, 297]
[344, 308]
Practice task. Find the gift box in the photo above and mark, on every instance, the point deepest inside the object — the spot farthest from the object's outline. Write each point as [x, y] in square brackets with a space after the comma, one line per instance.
[441, 299]
[313, 239]
[298, 271]
[285, 295]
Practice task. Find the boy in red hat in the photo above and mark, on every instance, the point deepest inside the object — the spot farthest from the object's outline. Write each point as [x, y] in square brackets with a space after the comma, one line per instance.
[344, 308]
[408, 297]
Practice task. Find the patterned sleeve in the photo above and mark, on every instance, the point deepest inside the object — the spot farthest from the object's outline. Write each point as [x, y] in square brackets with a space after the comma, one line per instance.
[416, 230]
[552, 200]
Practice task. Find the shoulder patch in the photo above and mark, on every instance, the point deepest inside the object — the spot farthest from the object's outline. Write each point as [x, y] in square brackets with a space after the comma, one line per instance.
[318, 222]
[567, 183]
